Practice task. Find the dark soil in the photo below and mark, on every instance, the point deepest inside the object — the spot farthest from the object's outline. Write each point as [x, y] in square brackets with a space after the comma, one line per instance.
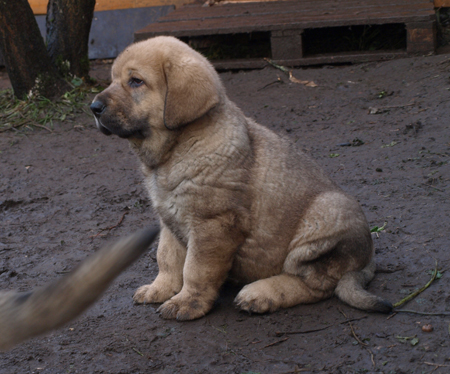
[381, 130]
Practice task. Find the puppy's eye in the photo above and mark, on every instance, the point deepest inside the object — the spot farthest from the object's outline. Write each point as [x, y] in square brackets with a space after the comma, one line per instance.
[135, 82]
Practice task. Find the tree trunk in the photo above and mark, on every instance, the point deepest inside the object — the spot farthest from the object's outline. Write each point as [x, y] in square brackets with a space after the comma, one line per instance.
[68, 27]
[27, 62]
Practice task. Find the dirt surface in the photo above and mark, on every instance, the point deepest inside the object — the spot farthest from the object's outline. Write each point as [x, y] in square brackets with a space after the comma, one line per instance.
[381, 130]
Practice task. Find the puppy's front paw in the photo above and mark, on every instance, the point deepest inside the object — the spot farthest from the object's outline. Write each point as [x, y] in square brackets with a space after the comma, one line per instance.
[151, 293]
[184, 307]
[254, 298]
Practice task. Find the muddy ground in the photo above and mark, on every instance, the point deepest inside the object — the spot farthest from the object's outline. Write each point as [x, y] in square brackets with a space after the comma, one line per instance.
[380, 129]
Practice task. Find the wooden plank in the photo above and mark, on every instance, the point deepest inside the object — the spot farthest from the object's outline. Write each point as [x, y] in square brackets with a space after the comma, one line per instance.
[304, 8]
[302, 15]
[257, 63]
[286, 20]
[421, 37]
[269, 22]
[40, 6]
[287, 44]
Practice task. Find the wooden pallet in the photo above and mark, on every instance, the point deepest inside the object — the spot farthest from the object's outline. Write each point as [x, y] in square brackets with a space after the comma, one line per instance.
[288, 24]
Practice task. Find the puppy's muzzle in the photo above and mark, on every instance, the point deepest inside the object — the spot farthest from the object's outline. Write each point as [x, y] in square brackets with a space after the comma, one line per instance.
[98, 108]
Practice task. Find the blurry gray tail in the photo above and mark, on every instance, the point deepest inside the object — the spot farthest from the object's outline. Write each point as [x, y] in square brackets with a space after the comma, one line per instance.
[351, 290]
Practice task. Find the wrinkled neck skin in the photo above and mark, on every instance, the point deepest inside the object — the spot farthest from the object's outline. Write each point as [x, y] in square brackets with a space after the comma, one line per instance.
[155, 149]
[161, 146]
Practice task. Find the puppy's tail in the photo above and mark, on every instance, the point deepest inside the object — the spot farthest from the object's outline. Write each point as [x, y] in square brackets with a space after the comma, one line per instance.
[24, 315]
[351, 289]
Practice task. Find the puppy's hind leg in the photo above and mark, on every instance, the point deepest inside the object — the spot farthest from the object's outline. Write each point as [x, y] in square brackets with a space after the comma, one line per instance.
[280, 291]
[300, 282]
[171, 256]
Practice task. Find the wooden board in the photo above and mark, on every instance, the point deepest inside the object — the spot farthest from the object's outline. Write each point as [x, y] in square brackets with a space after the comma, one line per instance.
[193, 20]
[40, 6]
[286, 22]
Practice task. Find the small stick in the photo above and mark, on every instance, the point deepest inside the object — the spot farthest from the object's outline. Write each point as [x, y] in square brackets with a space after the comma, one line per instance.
[280, 333]
[282, 68]
[437, 365]
[341, 311]
[42, 127]
[269, 84]
[371, 356]
[414, 294]
[139, 353]
[437, 189]
[395, 106]
[110, 228]
[296, 370]
[392, 315]
[422, 313]
[13, 127]
[351, 328]
[275, 343]
[356, 336]
[289, 73]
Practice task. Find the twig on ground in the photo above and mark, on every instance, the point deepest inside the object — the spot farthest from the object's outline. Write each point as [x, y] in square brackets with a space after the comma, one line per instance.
[363, 345]
[423, 313]
[13, 126]
[389, 271]
[281, 333]
[342, 312]
[109, 228]
[282, 68]
[296, 370]
[289, 73]
[437, 366]
[435, 188]
[139, 353]
[374, 110]
[392, 315]
[356, 336]
[42, 127]
[371, 356]
[419, 291]
[275, 343]
[270, 84]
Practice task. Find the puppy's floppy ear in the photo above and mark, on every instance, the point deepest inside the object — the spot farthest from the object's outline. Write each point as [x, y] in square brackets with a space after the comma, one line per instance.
[192, 90]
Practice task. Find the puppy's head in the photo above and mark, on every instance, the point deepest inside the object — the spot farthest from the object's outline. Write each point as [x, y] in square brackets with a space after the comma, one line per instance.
[157, 85]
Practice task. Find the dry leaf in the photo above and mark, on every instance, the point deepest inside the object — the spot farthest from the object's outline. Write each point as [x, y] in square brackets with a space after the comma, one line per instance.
[306, 83]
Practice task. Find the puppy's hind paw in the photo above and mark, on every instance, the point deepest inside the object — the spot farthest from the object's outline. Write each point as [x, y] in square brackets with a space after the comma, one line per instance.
[254, 303]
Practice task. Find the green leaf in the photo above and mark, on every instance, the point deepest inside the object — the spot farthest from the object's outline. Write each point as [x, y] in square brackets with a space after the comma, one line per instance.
[77, 82]
[391, 144]
[378, 229]
[438, 274]
[404, 339]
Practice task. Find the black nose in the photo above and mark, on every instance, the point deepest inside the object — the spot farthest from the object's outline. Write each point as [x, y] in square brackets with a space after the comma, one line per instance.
[98, 108]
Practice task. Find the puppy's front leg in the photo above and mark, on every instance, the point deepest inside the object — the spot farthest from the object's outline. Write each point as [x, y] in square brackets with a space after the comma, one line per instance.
[211, 248]
[171, 255]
